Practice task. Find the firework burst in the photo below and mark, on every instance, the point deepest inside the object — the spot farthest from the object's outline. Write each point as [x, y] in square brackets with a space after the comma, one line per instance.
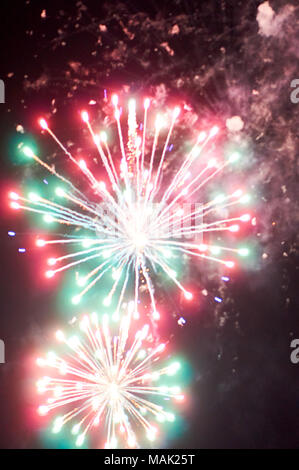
[106, 381]
[136, 221]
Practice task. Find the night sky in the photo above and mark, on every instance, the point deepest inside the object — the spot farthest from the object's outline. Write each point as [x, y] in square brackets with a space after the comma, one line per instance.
[222, 59]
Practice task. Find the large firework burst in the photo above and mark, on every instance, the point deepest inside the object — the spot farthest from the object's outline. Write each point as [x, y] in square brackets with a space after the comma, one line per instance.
[106, 381]
[136, 224]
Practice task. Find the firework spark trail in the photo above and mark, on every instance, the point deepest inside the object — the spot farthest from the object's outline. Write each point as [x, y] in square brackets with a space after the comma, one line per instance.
[134, 230]
[107, 380]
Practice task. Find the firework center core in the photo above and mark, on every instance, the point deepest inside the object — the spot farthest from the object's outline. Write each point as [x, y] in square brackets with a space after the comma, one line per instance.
[139, 240]
[113, 390]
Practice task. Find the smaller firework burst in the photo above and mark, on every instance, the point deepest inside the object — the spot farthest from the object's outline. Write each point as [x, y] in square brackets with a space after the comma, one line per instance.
[108, 383]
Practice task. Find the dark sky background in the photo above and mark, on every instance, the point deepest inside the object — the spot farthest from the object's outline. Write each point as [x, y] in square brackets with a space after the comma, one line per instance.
[224, 59]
